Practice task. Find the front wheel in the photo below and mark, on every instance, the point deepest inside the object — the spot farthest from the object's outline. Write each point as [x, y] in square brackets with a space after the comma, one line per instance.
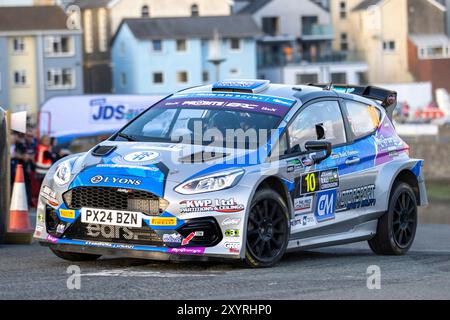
[75, 257]
[267, 230]
[397, 227]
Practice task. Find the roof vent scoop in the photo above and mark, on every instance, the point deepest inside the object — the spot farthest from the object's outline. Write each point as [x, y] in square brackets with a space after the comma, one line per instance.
[243, 86]
[102, 151]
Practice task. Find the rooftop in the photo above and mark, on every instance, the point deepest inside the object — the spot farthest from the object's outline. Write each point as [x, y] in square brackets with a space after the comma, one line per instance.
[193, 27]
[32, 18]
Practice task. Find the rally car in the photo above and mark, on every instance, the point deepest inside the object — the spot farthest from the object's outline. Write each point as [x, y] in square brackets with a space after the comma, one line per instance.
[241, 169]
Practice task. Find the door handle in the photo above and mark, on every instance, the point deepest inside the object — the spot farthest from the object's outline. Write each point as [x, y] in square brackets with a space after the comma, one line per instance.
[353, 160]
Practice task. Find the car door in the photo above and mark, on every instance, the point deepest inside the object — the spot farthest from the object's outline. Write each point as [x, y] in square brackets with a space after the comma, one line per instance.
[315, 185]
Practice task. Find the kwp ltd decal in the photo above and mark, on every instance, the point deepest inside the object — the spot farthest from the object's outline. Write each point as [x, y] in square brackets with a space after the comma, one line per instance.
[209, 205]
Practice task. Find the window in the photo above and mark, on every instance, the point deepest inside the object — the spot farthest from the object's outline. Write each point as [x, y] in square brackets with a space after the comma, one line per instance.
[339, 77]
[182, 77]
[234, 72]
[319, 121]
[123, 49]
[205, 76]
[363, 119]
[389, 46]
[88, 36]
[235, 44]
[59, 46]
[18, 45]
[194, 10]
[181, 45]
[20, 78]
[344, 41]
[158, 78]
[363, 79]
[62, 78]
[123, 79]
[343, 10]
[157, 46]
[434, 52]
[306, 78]
[145, 11]
[102, 30]
[270, 26]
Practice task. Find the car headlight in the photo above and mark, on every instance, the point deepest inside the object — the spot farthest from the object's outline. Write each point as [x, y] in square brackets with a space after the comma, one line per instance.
[215, 182]
[63, 173]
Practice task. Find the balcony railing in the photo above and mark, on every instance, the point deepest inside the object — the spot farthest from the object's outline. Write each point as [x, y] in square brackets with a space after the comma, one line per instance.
[276, 60]
[317, 32]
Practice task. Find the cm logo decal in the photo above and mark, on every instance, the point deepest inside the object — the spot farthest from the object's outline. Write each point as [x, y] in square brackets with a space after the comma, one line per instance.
[143, 156]
[326, 205]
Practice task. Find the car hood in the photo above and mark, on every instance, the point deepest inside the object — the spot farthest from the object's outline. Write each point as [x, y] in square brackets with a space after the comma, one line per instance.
[150, 165]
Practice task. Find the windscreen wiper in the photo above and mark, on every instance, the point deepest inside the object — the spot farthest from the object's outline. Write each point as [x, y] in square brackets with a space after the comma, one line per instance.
[126, 136]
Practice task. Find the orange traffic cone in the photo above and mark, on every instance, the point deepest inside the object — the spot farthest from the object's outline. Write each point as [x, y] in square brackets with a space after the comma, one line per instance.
[19, 228]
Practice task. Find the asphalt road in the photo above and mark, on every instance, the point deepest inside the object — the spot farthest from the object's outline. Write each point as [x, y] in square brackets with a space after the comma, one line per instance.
[32, 272]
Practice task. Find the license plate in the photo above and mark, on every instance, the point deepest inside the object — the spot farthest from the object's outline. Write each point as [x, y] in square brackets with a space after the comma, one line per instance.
[111, 217]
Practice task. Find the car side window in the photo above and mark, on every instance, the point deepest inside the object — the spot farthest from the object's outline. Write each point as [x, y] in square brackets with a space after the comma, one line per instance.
[363, 119]
[319, 121]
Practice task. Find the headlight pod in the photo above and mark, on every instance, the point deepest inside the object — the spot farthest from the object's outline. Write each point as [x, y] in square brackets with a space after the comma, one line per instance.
[63, 173]
[211, 183]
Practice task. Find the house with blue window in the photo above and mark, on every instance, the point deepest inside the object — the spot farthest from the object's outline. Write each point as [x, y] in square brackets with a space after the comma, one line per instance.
[40, 57]
[163, 55]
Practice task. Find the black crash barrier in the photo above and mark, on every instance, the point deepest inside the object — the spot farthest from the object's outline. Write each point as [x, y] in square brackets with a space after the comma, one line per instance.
[4, 175]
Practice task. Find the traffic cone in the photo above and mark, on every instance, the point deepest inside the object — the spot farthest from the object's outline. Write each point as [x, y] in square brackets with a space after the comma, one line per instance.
[19, 227]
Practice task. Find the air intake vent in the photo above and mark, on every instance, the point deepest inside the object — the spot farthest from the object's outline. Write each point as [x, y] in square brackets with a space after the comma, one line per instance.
[101, 151]
[244, 86]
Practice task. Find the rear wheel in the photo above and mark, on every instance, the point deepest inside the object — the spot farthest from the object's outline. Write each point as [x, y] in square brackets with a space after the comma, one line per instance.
[75, 257]
[267, 230]
[397, 227]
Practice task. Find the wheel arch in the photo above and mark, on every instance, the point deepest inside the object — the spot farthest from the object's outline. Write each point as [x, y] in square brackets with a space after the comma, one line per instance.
[408, 177]
[276, 184]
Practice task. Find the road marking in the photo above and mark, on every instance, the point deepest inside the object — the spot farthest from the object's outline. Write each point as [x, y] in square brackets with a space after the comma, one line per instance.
[144, 274]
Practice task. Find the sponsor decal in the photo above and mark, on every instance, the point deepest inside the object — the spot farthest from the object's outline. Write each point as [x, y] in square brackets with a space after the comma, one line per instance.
[39, 230]
[126, 166]
[60, 228]
[188, 239]
[142, 156]
[50, 195]
[344, 154]
[187, 250]
[326, 205]
[294, 165]
[172, 238]
[303, 205]
[163, 222]
[304, 221]
[67, 214]
[52, 239]
[232, 245]
[109, 245]
[208, 205]
[103, 111]
[231, 222]
[115, 180]
[110, 232]
[319, 181]
[40, 217]
[356, 198]
[232, 233]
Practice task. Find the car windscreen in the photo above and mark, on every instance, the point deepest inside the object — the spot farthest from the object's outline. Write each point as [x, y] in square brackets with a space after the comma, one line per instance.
[225, 120]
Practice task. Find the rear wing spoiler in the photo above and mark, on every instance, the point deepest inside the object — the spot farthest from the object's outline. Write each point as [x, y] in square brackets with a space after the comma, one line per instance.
[387, 98]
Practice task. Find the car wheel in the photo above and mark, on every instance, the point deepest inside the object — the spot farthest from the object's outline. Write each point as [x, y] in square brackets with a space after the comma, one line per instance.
[75, 257]
[267, 230]
[397, 227]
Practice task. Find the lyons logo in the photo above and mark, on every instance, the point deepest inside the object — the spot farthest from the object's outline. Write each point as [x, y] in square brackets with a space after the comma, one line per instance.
[326, 205]
[114, 180]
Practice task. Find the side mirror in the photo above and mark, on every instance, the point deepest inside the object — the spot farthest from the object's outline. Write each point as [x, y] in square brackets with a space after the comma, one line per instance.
[322, 150]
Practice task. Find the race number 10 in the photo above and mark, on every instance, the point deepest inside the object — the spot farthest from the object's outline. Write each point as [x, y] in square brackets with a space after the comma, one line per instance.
[309, 182]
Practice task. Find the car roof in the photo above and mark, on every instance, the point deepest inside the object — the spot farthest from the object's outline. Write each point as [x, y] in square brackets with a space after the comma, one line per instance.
[303, 93]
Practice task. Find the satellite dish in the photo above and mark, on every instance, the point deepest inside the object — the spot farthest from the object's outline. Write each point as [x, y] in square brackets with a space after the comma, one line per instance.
[19, 121]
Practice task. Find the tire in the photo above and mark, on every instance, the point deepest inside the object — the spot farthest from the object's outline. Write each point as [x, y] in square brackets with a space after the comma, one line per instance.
[75, 257]
[397, 227]
[268, 230]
